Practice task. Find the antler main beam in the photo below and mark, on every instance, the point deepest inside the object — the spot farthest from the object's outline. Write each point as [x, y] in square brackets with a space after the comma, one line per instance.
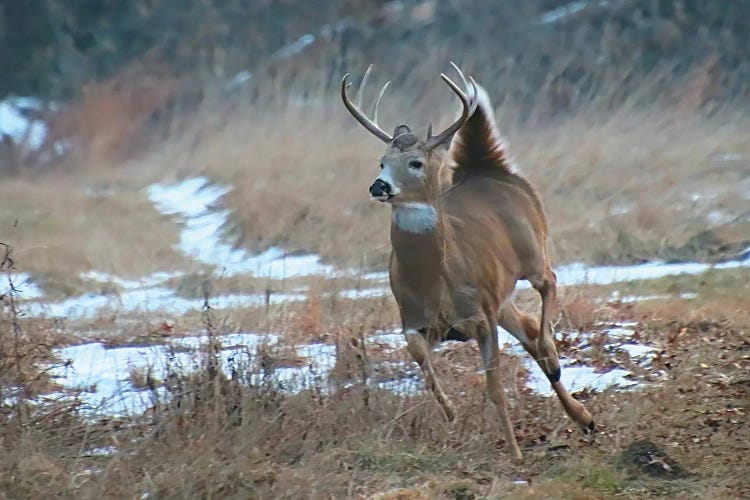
[469, 102]
[369, 124]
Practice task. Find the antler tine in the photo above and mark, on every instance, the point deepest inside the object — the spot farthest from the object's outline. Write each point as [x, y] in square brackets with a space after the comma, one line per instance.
[469, 105]
[359, 115]
[460, 75]
[475, 93]
[362, 86]
[374, 111]
[470, 86]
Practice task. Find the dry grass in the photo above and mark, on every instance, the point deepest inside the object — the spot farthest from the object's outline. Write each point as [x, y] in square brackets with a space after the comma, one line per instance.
[620, 186]
[232, 440]
[58, 229]
[621, 183]
[108, 120]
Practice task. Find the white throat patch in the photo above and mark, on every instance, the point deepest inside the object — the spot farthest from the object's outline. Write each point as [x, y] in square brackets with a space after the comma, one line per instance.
[415, 218]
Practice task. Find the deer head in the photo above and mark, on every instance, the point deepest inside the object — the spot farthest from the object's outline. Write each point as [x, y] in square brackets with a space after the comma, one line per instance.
[410, 166]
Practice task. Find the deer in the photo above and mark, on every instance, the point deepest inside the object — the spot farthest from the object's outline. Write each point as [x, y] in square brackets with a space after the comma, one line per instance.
[465, 228]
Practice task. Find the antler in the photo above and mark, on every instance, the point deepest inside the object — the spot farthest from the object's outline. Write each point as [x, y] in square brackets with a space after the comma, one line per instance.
[469, 105]
[371, 125]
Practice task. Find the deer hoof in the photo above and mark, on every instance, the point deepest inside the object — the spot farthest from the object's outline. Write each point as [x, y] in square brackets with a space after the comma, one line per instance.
[590, 429]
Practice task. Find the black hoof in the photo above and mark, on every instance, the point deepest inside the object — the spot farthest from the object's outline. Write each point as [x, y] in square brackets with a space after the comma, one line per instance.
[590, 429]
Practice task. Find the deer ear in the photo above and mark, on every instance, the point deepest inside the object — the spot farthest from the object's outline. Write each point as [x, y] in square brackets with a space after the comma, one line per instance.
[401, 129]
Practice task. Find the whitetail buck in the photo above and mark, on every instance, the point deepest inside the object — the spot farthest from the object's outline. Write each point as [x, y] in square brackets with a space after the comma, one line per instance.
[465, 228]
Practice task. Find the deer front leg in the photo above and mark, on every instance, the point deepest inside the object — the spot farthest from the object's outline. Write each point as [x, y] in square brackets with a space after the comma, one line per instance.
[488, 346]
[419, 349]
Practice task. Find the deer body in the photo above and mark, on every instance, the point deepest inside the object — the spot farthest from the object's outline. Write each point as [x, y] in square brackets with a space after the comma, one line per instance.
[464, 229]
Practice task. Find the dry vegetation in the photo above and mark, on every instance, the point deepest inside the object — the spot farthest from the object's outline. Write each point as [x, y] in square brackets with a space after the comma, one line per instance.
[620, 185]
[60, 228]
[220, 437]
[640, 165]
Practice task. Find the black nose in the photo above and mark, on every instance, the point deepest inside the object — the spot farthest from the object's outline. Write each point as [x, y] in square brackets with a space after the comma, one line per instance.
[380, 188]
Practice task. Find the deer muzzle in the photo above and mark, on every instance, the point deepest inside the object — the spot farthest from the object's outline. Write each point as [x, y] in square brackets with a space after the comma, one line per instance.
[381, 190]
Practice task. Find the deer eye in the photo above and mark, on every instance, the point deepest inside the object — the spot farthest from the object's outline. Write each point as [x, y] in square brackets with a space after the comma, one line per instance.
[381, 166]
[416, 164]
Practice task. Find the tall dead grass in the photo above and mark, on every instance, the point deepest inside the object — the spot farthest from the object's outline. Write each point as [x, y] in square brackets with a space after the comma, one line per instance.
[619, 185]
[229, 437]
[61, 228]
[632, 168]
[239, 434]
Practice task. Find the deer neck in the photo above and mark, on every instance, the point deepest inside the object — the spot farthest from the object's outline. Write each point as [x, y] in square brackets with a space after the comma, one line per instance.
[418, 240]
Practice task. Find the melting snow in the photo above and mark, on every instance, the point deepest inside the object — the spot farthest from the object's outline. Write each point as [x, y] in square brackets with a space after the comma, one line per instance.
[576, 377]
[561, 13]
[104, 375]
[201, 238]
[580, 274]
[146, 282]
[22, 284]
[150, 299]
[194, 201]
[18, 126]
[295, 47]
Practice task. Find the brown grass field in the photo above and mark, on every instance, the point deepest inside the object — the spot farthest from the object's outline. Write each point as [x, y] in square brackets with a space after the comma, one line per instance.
[218, 438]
[638, 180]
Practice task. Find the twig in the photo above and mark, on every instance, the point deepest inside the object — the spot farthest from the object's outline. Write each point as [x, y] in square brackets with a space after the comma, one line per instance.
[389, 424]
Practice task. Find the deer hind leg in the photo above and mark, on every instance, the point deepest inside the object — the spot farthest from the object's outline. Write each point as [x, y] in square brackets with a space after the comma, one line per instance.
[525, 329]
[419, 349]
[488, 346]
[545, 344]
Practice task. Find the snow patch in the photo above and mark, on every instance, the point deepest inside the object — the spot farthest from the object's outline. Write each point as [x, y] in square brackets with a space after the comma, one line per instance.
[103, 377]
[15, 123]
[193, 200]
[23, 285]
